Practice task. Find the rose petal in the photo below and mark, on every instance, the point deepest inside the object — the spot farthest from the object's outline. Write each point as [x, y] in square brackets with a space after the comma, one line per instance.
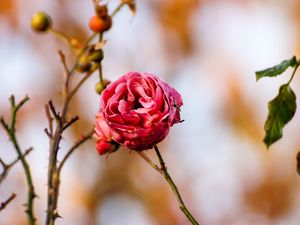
[124, 106]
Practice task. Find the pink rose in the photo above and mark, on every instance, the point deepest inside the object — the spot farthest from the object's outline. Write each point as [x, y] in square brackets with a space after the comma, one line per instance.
[137, 112]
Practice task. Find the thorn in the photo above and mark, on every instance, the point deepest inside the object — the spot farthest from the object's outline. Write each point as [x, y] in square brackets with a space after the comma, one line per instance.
[56, 215]
[47, 133]
[35, 195]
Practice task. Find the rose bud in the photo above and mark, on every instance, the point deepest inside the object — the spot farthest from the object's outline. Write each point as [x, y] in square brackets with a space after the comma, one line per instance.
[105, 147]
[137, 111]
[100, 87]
[41, 22]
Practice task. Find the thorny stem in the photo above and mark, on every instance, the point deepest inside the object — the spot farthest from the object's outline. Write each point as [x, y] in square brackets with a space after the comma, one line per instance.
[7, 167]
[61, 121]
[10, 130]
[55, 138]
[163, 170]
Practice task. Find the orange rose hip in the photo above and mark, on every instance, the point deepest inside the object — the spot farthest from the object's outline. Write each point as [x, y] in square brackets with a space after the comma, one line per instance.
[100, 25]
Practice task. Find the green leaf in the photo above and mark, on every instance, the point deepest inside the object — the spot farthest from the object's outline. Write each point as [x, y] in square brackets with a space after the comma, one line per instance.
[276, 70]
[281, 110]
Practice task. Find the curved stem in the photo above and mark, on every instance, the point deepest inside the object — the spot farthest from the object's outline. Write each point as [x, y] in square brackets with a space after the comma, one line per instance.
[174, 188]
[150, 162]
[296, 67]
[60, 35]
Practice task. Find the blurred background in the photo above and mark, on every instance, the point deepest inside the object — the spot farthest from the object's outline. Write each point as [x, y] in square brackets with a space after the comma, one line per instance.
[208, 50]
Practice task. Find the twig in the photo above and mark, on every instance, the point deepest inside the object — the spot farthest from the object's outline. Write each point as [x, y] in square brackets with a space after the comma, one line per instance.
[7, 167]
[60, 35]
[11, 133]
[53, 111]
[50, 120]
[81, 82]
[73, 148]
[117, 9]
[5, 203]
[69, 123]
[83, 50]
[67, 74]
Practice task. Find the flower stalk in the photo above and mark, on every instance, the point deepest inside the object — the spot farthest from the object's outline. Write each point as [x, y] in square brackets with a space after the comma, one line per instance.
[163, 171]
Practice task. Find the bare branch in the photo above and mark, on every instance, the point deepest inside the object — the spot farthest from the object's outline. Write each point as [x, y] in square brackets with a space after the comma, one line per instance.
[12, 135]
[49, 119]
[67, 73]
[53, 111]
[7, 167]
[73, 120]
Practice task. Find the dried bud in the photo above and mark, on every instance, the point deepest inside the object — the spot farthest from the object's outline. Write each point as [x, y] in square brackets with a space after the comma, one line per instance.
[41, 22]
[101, 11]
[131, 4]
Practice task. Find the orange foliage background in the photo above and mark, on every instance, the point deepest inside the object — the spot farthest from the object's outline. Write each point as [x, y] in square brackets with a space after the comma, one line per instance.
[207, 50]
